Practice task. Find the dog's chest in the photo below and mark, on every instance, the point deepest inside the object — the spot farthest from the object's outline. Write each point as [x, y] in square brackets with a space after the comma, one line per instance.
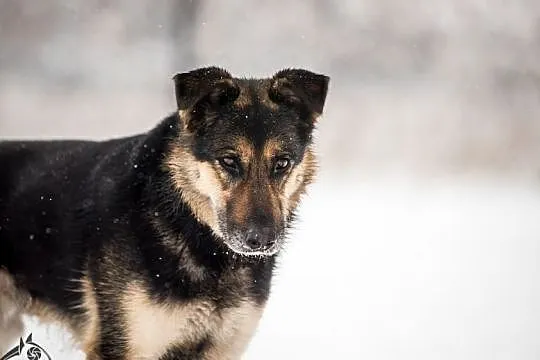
[154, 328]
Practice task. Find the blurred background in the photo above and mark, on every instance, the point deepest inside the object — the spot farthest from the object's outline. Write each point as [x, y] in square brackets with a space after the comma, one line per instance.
[421, 239]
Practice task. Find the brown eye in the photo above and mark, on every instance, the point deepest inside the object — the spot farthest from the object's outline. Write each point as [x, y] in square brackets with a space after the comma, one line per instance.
[230, 164]
[281, 165]
[229, 161]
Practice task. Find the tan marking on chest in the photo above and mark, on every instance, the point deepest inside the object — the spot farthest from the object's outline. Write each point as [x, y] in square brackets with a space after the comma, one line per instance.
[153, 328]
[237, 328]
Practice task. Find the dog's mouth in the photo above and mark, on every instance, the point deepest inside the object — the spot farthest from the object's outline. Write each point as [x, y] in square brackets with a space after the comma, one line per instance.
[245, 247]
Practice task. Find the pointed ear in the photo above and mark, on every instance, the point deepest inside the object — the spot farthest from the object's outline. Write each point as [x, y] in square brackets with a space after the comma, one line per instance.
[211, 82]
[29, 338]
[298, 87]
[201, 90]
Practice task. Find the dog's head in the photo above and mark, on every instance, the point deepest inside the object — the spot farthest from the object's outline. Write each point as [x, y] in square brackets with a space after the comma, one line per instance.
[244, 155]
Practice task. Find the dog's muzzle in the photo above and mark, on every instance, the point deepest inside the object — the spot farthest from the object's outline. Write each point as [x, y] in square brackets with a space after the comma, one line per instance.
[256, 241]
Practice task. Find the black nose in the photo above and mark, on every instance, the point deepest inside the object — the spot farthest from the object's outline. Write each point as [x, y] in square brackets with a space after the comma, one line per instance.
[259, 239]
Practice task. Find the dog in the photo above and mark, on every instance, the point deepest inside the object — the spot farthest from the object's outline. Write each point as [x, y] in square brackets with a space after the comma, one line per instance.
[161, 245]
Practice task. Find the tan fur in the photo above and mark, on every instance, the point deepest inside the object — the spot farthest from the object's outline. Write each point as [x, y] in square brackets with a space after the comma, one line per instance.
[240, 203]
[295, 185]
[153, 327]
[271, 148]
[245, 150]
[88, 333]
[200, 185]
[241, 195]
[203, 185]
[238, 325]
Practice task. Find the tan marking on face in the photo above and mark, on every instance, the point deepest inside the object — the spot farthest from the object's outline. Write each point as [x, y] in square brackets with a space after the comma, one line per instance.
[295, 185]
[268, 199]
[257, 191]
[275, 204]
[245, 150]
[271, 148]
[281, 196]
[240, 202]
[199, 185]
[203, 186]
[152, 328]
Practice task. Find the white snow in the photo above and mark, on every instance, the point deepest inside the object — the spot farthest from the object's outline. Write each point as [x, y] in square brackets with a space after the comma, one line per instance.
[446, 269]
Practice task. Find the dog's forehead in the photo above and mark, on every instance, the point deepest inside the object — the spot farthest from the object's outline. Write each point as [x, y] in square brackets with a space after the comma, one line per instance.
[254, 125]
[258, 119]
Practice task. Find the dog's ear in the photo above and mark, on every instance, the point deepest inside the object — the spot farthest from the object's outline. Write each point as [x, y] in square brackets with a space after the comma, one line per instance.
[298, 87]
[203, 89]
[211, 84]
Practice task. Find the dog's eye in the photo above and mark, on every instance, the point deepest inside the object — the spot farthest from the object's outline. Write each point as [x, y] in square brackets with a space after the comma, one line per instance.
[281, 165]
[230, 164]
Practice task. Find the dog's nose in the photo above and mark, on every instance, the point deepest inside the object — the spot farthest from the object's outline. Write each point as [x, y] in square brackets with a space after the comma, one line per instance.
[259, 239]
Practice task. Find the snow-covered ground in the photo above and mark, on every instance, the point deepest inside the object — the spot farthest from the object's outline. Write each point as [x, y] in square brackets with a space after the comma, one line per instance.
[445, 269]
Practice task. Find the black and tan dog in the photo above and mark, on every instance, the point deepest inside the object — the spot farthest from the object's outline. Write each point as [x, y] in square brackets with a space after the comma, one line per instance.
[161, 245]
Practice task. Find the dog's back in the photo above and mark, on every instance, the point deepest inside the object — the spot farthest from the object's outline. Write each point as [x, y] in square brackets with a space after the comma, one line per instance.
[27, 182]
[36, 176]
[44, 186]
